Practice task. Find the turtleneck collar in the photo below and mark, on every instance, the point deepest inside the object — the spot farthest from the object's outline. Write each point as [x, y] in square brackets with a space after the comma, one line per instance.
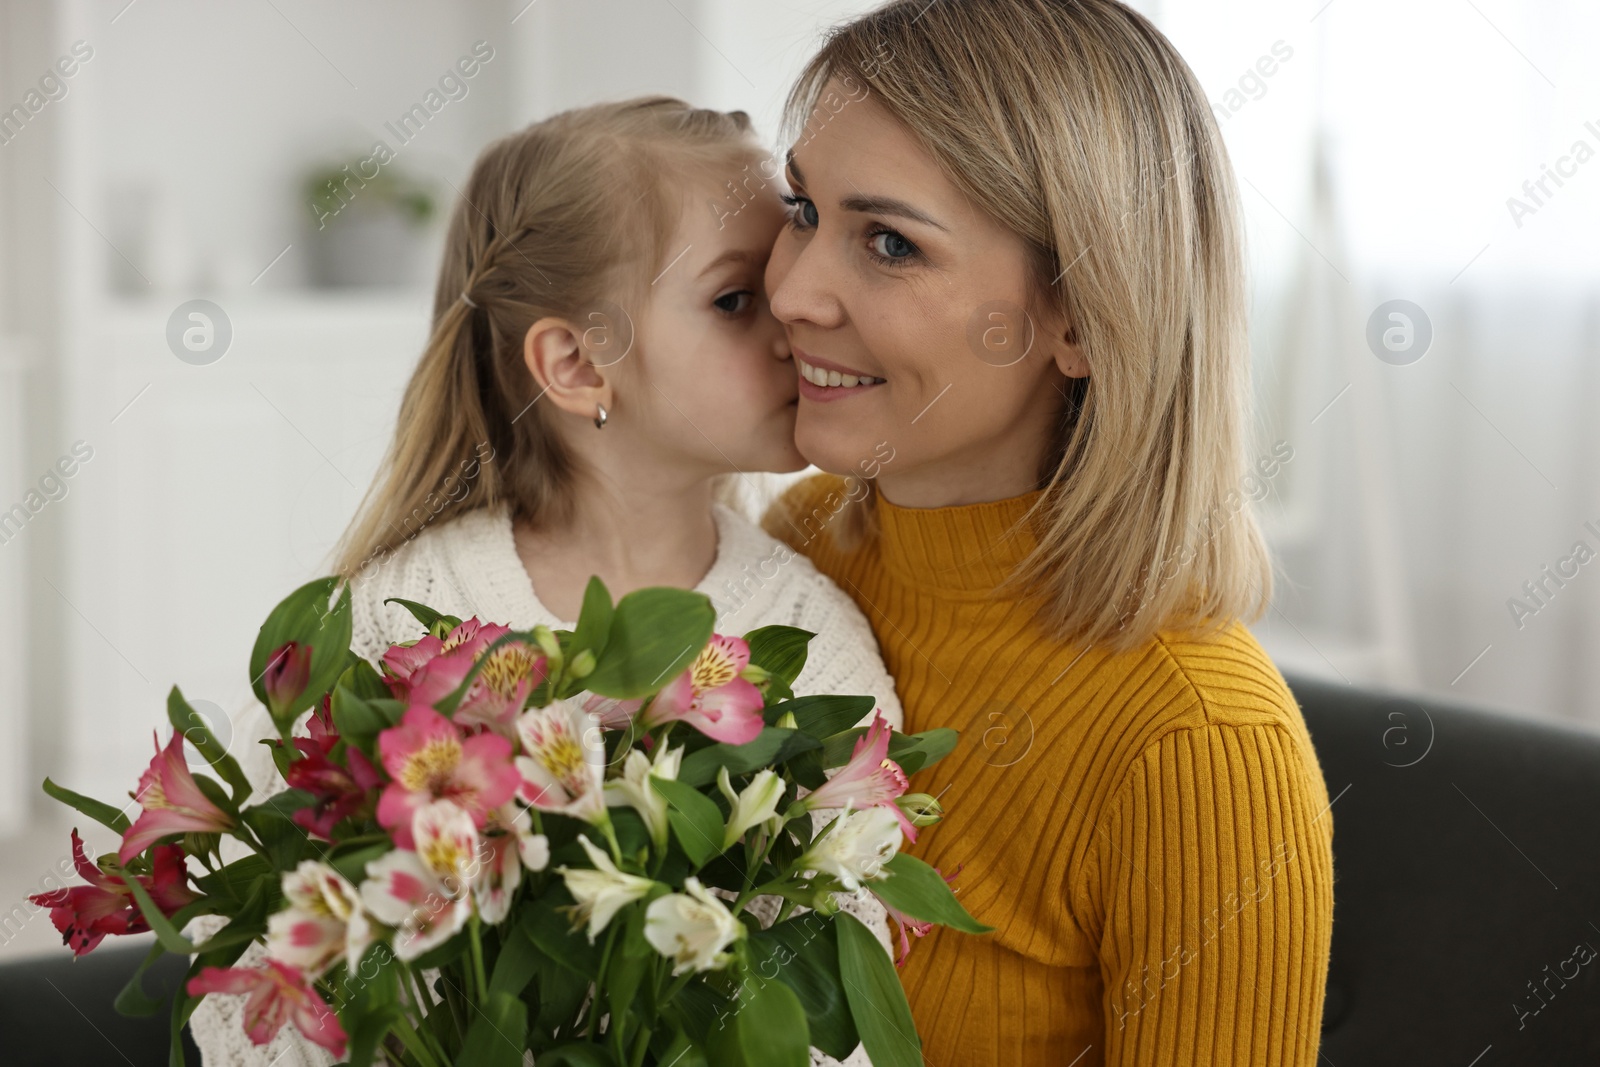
[964, 548]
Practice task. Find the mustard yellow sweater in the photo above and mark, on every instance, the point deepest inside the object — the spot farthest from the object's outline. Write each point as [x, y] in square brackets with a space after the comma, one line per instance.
[1148, 832]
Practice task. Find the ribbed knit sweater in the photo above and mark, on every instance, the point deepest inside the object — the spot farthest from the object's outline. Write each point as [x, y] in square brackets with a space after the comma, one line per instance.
[1148, 831]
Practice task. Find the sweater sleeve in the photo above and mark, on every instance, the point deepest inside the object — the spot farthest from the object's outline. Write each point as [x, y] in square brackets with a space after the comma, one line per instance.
[1211, 883]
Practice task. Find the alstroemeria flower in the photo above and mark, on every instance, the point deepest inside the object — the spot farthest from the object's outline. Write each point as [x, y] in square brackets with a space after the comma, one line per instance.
[172, 803]
[323, 922]
[429, 759]
[634, 790]
[287, 672]
[710, 695]
[87, 913]
[426, 894]
[870, 779]
[756, 804]
[278, 994]
[854, 847]
[602, 891]
[692, 929]
[508, 845]
[906, 925]
[339, 791]
[563, 761]
[432, 669]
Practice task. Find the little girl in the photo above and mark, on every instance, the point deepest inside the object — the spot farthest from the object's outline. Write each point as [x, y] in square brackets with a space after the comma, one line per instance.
[603, 372]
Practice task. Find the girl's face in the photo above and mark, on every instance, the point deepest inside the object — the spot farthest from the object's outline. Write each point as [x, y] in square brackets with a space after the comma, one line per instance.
[888, 273]
[714, 383]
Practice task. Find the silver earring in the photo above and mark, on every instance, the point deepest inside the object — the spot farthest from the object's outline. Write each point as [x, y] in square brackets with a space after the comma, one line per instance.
[600, 419]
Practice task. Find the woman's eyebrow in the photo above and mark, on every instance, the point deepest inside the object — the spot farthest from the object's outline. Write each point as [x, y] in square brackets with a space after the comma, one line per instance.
[873, 205]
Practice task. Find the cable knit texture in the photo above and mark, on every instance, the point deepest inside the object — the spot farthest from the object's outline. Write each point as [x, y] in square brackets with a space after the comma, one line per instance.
[1148, 831]
[469, 566]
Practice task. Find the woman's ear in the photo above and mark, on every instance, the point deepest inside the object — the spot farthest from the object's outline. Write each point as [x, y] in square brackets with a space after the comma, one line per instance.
[1068, 353]
[565, 377]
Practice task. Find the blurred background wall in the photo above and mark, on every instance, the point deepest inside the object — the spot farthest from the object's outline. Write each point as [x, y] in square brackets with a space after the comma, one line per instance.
[1422, 192]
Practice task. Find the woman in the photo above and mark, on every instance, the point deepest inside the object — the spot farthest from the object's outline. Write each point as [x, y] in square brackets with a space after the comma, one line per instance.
[1015, 258]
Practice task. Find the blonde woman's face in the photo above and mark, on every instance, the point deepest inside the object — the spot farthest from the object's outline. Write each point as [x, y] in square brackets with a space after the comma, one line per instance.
[886, 270]
[715, 382]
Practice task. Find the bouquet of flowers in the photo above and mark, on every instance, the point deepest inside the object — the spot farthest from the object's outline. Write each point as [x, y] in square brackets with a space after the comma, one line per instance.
[499, 842]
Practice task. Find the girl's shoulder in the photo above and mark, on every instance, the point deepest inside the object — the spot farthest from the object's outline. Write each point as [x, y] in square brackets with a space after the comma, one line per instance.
[465, 565]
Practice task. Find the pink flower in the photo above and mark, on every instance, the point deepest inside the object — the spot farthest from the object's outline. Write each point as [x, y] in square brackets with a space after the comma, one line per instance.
[426, 893]
[870, 780]
[711, 696]
[288, 671]
[172, 803]
[614, 714]
[429, 759]
[432, 669]
[278, 993]
[87, 913]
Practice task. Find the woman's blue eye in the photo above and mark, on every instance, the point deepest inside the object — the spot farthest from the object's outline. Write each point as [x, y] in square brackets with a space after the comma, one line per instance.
[734, 303]
[891, 245]
[806, 215]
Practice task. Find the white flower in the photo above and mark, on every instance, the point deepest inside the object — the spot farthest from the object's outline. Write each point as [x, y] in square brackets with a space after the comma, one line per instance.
[634, 790]
[757, 804]
[425, 894]
[855, 847]
[563, 760]
[603, 890]
[323, 921]
[503, 857]
[691, 929]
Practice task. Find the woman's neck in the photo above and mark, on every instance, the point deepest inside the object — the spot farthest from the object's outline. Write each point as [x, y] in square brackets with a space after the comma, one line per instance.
[630, 537]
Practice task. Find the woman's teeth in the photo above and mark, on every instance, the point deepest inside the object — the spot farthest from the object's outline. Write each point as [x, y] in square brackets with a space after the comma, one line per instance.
[818, 376]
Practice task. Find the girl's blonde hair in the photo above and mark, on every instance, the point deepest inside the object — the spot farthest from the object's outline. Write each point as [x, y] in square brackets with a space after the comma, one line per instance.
[1076, 124]
[567, 218]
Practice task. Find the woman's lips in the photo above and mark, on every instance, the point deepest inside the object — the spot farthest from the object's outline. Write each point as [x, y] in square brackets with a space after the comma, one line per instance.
[823, 381]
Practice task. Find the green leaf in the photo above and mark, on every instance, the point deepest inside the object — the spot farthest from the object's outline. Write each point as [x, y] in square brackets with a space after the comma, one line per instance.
[655, 634]
[918, 890]
[552, 931]
[576, 1055]
[516, 965]
[822, 716]
[781, 650]
[803, 953]
[353, 864]
[421, 612]
[165, 932]
[695, 818]
[192, 725]
[682, 1052]
[594, 619]
[98, 810]
[497, 1033]
[311, 616]
[133, 1001]
[362, 679]
[766, 1028]
[272, 820]
[877, 1001]
[359, 721]
[700, 768]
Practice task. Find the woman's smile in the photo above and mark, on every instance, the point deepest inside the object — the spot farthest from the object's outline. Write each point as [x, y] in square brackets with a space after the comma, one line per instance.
[821, 379]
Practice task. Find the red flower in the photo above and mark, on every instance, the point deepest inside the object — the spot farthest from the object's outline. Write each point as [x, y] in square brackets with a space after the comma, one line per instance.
[278, 993]
[433, 668]
[86, 913]
[339, 791]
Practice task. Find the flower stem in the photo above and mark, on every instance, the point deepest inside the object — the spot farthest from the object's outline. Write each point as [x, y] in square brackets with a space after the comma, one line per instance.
[600, 981]
[413, 1042]
[477, 959]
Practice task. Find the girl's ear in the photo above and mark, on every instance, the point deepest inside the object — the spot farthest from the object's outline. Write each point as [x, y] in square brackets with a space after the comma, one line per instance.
[554, 356]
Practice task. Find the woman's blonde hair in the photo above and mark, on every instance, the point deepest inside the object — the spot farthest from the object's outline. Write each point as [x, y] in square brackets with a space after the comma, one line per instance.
[567, 217]
[1076, 124]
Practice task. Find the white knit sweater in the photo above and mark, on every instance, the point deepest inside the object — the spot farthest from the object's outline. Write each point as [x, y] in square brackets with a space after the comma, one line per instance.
[469, 566]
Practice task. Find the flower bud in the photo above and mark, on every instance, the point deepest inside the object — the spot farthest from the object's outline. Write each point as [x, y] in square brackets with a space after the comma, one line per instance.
[582, 664]
[787, 721]
[755, 675]
[921, 808]
[288, 671]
